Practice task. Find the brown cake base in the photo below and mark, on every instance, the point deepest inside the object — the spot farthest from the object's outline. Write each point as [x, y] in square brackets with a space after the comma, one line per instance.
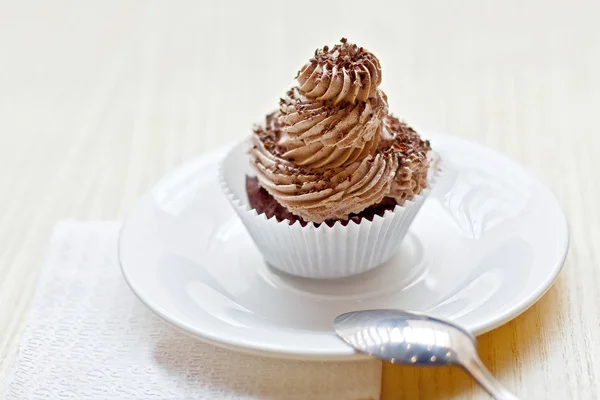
[264, 203]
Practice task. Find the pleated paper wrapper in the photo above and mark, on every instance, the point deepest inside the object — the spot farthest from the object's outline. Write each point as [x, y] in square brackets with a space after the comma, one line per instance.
[317, 252]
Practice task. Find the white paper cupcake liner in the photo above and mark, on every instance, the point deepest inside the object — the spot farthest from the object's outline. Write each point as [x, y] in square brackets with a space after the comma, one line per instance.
[311, 251]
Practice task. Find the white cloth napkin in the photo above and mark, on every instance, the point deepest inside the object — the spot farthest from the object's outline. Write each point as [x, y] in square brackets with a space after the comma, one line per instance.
[89, 337]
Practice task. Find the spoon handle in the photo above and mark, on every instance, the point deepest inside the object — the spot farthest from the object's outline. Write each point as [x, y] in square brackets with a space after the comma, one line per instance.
[480, 373]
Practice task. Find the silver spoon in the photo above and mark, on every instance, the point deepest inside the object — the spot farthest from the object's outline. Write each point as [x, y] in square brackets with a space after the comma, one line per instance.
[414, 339]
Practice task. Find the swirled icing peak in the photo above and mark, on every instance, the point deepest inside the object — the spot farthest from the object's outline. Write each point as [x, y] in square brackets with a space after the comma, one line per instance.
[332, 149]
[344, 73]
[319, 134]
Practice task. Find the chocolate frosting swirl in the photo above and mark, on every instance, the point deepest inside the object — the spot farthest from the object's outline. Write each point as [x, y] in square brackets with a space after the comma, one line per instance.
[346, 73]
[331, 151]
[319, 135]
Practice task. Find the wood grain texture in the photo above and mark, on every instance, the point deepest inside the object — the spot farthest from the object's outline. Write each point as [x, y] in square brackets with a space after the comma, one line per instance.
[98, 100]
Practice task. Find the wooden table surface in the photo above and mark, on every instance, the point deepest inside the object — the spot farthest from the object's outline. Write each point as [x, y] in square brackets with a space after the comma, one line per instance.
[98, 100]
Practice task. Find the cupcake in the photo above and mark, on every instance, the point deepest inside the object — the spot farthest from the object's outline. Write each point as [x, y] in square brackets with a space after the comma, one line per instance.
[328, 185]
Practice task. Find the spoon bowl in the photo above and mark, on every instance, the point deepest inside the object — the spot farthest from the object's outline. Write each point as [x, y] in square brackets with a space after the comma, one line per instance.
[416, 339]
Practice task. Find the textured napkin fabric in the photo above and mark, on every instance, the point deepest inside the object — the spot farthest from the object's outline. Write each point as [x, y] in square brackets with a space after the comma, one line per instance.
[89, 337]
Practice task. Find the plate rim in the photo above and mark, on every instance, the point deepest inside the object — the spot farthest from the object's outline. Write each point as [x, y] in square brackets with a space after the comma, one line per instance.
[350, 355]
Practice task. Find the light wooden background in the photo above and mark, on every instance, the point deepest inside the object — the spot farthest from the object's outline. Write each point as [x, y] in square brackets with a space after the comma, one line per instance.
[98, 100]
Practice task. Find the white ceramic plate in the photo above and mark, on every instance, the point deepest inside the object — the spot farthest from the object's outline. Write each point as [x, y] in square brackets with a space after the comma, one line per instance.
[486, 245]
